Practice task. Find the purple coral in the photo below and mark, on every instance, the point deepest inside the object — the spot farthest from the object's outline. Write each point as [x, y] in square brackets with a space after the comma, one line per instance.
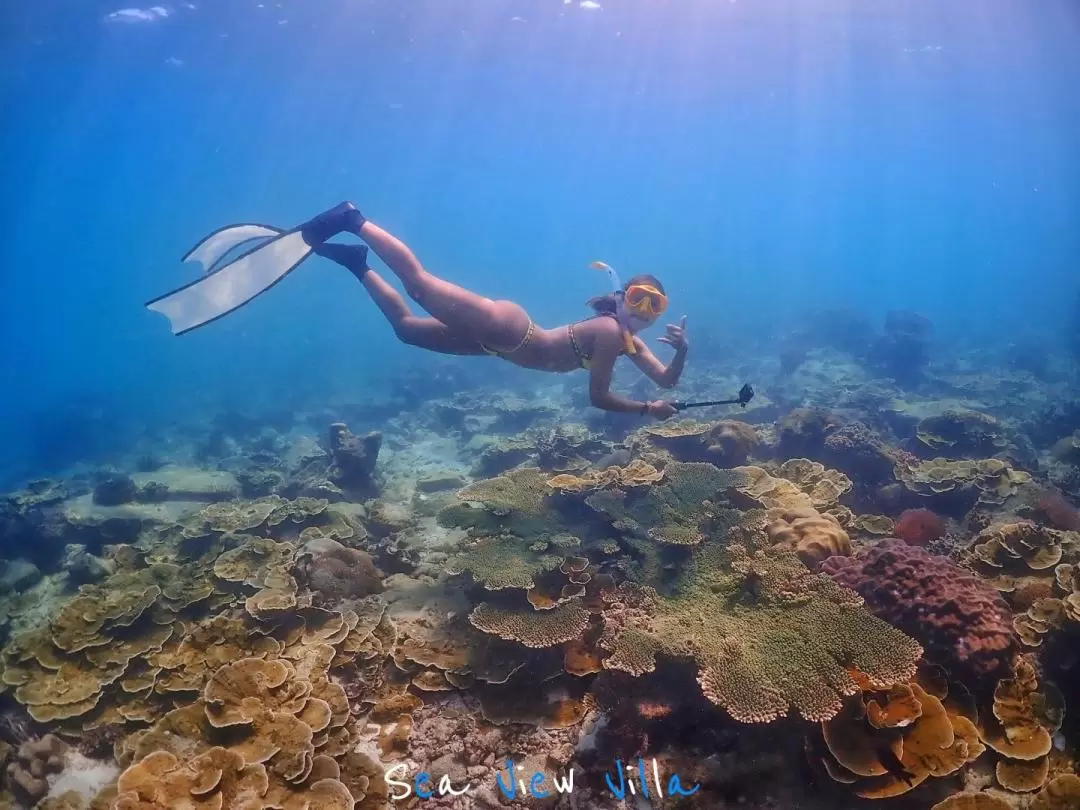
[961, 621]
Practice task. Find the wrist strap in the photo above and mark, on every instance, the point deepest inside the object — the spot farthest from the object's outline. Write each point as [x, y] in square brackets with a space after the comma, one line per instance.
[645, 409]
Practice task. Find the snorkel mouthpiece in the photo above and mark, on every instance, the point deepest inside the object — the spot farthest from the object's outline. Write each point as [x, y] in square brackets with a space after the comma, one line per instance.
[620, 302]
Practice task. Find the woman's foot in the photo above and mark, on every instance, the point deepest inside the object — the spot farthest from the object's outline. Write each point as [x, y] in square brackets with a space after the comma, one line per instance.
[352, 257]
[342, 217]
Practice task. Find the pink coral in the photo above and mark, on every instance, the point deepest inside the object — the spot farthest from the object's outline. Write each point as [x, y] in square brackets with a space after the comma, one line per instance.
[1057, 510]
[961, 621]
[917, 527]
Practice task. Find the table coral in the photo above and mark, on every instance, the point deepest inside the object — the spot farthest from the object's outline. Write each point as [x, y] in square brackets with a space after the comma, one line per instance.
[766, 633]
[679, 510]
[637, 473]
[533, 628]
[725, 443]
[508, 561]
[517, 501]
[962, 622]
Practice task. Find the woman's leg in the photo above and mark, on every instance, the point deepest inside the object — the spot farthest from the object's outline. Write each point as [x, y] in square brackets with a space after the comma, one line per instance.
[427, 333]
[500, 325]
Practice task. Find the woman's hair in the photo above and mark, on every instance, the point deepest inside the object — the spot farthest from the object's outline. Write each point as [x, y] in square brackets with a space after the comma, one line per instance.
[605, 304]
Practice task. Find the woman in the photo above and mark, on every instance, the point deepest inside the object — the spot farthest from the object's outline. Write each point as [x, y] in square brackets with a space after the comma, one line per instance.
[465, 323]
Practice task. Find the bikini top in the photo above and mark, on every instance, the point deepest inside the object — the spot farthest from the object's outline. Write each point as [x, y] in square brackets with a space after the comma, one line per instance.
[583, 358]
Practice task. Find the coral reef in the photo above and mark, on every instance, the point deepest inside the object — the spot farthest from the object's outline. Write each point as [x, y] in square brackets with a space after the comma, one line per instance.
[961, 434]
[252, 610]
[726, 443]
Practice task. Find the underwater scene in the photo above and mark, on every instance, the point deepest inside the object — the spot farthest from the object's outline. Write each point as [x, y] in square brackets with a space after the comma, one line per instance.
[584, 404]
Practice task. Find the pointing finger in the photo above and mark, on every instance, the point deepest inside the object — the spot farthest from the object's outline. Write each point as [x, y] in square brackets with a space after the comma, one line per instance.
[682, 323]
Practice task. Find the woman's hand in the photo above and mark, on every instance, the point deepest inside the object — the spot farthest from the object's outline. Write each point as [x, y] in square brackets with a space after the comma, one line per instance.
[676, 336]
[661, 410]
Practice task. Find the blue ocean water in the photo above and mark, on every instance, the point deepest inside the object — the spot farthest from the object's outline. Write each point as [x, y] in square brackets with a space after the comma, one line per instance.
[763, 158]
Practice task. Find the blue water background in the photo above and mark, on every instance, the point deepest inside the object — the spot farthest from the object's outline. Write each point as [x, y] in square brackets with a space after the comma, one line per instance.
[764, 158]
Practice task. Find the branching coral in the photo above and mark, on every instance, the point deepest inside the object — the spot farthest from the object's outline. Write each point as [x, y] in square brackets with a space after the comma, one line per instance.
[765, 632]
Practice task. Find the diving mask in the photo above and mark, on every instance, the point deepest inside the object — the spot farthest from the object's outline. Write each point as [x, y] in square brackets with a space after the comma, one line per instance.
[645, 301]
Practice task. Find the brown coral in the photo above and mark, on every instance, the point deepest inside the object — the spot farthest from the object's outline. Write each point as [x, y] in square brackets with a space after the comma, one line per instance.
[1061, 793]
[886, 743]
[33, 762]
[972, 801]
[335, 572]
[1025, 716]
[1054, 612]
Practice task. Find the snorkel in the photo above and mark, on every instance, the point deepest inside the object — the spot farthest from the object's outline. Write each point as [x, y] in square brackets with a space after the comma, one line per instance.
[620, 309]
[643, 298]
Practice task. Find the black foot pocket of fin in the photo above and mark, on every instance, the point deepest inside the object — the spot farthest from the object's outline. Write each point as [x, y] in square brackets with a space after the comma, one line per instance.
[342, 217]
[352, 257]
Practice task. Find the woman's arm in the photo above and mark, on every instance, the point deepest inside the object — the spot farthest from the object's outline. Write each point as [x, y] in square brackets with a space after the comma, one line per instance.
[606, 349]
[664, 376]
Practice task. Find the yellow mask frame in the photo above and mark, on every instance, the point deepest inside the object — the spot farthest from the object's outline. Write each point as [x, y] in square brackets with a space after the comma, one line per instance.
[645, 300]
